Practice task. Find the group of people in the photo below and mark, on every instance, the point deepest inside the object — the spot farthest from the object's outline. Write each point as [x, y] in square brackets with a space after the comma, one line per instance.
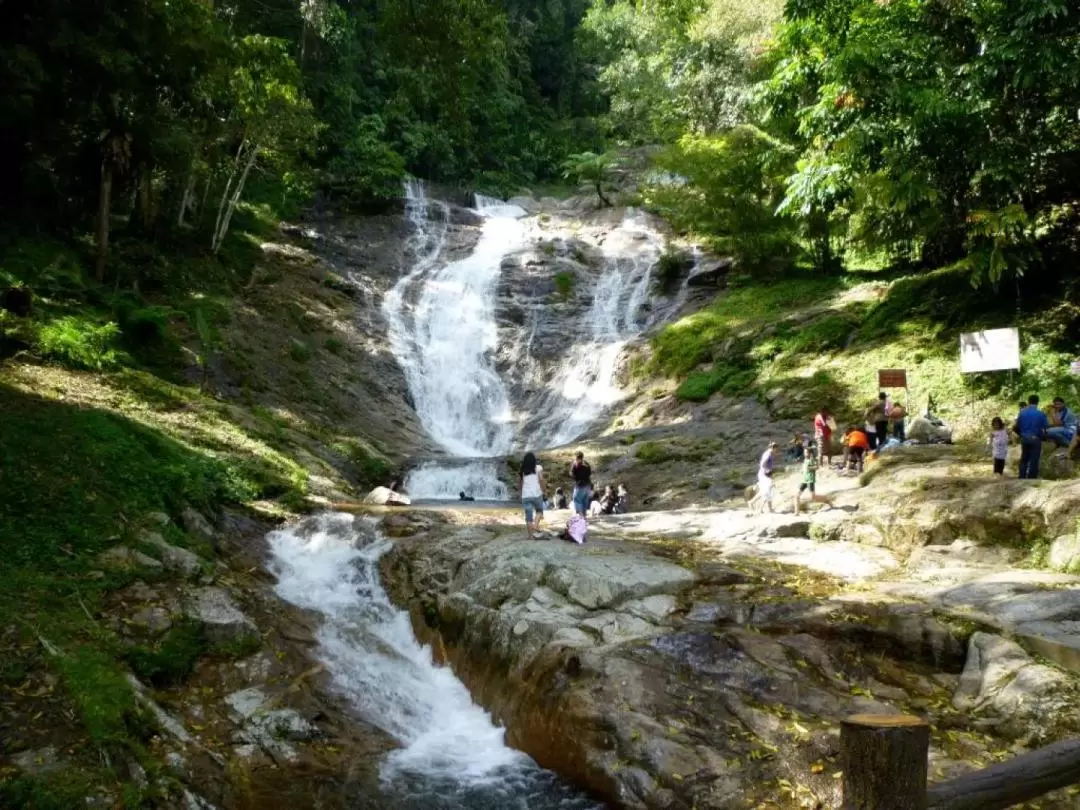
[585, 499]
[1057, 424]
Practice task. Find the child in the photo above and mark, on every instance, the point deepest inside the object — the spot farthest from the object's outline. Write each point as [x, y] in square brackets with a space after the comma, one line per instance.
[809, 481]
[999, 444]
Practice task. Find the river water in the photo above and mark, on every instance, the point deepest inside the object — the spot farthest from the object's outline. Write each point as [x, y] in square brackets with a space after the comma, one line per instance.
[452, 754]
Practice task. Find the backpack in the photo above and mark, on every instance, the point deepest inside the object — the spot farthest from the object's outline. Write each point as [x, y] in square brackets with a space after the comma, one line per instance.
[576, 529]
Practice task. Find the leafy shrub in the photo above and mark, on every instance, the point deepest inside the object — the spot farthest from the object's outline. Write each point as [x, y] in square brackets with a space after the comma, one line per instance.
[172, 659]
[333, 345]
[730, 380]
[564, 284]
[652, 453]
[78, 342]
[670, 268]
[299, 351]
[735, 182]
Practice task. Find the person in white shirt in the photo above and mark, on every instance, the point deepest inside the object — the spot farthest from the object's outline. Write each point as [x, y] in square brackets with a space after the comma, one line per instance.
[531, 478]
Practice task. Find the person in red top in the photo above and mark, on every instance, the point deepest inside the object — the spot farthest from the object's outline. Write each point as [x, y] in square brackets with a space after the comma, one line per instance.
[823, 434]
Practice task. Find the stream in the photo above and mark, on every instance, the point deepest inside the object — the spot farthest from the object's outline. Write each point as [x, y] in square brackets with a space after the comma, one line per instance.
[443, 330]
[452, 754]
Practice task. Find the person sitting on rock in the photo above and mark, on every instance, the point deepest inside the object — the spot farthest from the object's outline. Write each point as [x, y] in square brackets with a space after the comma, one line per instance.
[622, 507]
[608, 501]
[856, 444]
[594, 504]
[1063, 424]
[796, 449]
[463, 497]
[561, 501]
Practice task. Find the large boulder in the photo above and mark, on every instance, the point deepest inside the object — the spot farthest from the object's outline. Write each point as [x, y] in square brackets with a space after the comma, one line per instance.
[711, 273]
[1065, 552]
[1001, 680]
[384, 496]
[124, 557]
[224, 622]
[173, 557]
[922, 430]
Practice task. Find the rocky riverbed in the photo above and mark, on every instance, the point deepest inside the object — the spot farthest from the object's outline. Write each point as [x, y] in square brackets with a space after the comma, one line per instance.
[674, 671]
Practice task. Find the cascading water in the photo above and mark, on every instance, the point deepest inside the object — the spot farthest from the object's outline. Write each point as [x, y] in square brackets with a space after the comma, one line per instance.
[584, 385]
[452, 754]
[446, 344]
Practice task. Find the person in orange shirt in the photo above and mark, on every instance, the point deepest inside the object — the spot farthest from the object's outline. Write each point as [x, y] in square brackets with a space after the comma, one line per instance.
[856, 444]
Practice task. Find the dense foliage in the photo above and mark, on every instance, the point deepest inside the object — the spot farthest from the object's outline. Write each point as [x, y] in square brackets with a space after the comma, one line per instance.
[919, 131]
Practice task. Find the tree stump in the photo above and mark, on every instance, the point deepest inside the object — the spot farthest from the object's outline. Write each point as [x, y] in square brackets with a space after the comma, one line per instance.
[884, 760]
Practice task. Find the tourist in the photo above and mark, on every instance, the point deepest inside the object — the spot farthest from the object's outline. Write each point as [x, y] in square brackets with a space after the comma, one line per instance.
[999, 444]
[897, 413]
[856, 445]
[809, 481]
[877, 422]
[463, 497]
[623, 505]
[531, 478]
[1030, 426]
[762, 501]
[581, 473]
[796, 449]
[560, 498]
[824, 425]
[1063, 430]
[594, 505]
[608, 501]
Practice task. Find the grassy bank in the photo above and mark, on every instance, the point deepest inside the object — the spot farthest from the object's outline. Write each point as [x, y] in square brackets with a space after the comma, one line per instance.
[801, 342]
[120, 403]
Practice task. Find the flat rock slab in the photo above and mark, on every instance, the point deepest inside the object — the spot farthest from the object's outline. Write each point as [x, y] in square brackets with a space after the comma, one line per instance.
[173, 557]
[224, 622]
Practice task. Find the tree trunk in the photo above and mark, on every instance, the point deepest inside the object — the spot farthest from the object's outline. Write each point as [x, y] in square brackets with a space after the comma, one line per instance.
[600, 194]
[104, 196]
[884, 761]
[225, 196]
[145, 208]
[237, 191]
[188, 197]
[205, 197]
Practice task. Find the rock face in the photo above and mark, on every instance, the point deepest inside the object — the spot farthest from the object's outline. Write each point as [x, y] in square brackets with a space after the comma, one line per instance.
[223, 621]
[173, 557]
[661, 686]
[124, 557]
[1003, 680]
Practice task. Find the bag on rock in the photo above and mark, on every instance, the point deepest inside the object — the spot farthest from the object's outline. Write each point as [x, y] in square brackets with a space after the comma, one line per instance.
[576, 529]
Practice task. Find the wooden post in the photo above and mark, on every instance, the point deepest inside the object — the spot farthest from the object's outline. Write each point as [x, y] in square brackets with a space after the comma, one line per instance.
[884, 760]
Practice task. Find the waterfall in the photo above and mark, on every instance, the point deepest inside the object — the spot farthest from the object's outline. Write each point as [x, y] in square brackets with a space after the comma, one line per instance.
[584, 386]
[452, 754]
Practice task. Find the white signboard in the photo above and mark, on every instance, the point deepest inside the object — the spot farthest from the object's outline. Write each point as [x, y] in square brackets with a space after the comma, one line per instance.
[992, 350]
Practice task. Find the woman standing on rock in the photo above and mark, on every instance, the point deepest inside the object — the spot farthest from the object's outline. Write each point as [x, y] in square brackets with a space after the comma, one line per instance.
[531, 478]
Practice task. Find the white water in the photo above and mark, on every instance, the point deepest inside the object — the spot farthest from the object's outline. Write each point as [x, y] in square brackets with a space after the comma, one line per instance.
[477, 479]
[451, 748]
[446, 343]
[585, 385]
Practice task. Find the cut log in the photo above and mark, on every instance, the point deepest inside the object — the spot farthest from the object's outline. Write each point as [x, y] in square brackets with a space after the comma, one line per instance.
[1019, 779]
[884, 760]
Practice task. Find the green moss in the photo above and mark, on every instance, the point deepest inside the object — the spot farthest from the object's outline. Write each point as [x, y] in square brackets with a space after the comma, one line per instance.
[172, 659]
[653, 453]
[59, 791]
[299, 351]
[333, 345]
[564, 284]
[102, 697]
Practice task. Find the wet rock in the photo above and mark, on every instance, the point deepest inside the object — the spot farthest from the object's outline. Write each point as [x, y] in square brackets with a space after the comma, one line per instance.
[196, 524]
[224, 623]
[1001, 679]
[151, 621]
[711, 273]
[169, 724]
[39, 761]
[383, 496]
[1065, 552]
[124, 557]
[194, 802]
[173, 557]
[271, 730]
[1059, 641]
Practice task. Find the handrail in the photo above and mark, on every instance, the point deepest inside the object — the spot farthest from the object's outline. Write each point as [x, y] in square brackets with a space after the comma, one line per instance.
[885, 762]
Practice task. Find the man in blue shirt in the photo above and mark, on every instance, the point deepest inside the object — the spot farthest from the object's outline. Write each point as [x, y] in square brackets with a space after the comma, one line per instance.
[1064, 434]
[1030, 426]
